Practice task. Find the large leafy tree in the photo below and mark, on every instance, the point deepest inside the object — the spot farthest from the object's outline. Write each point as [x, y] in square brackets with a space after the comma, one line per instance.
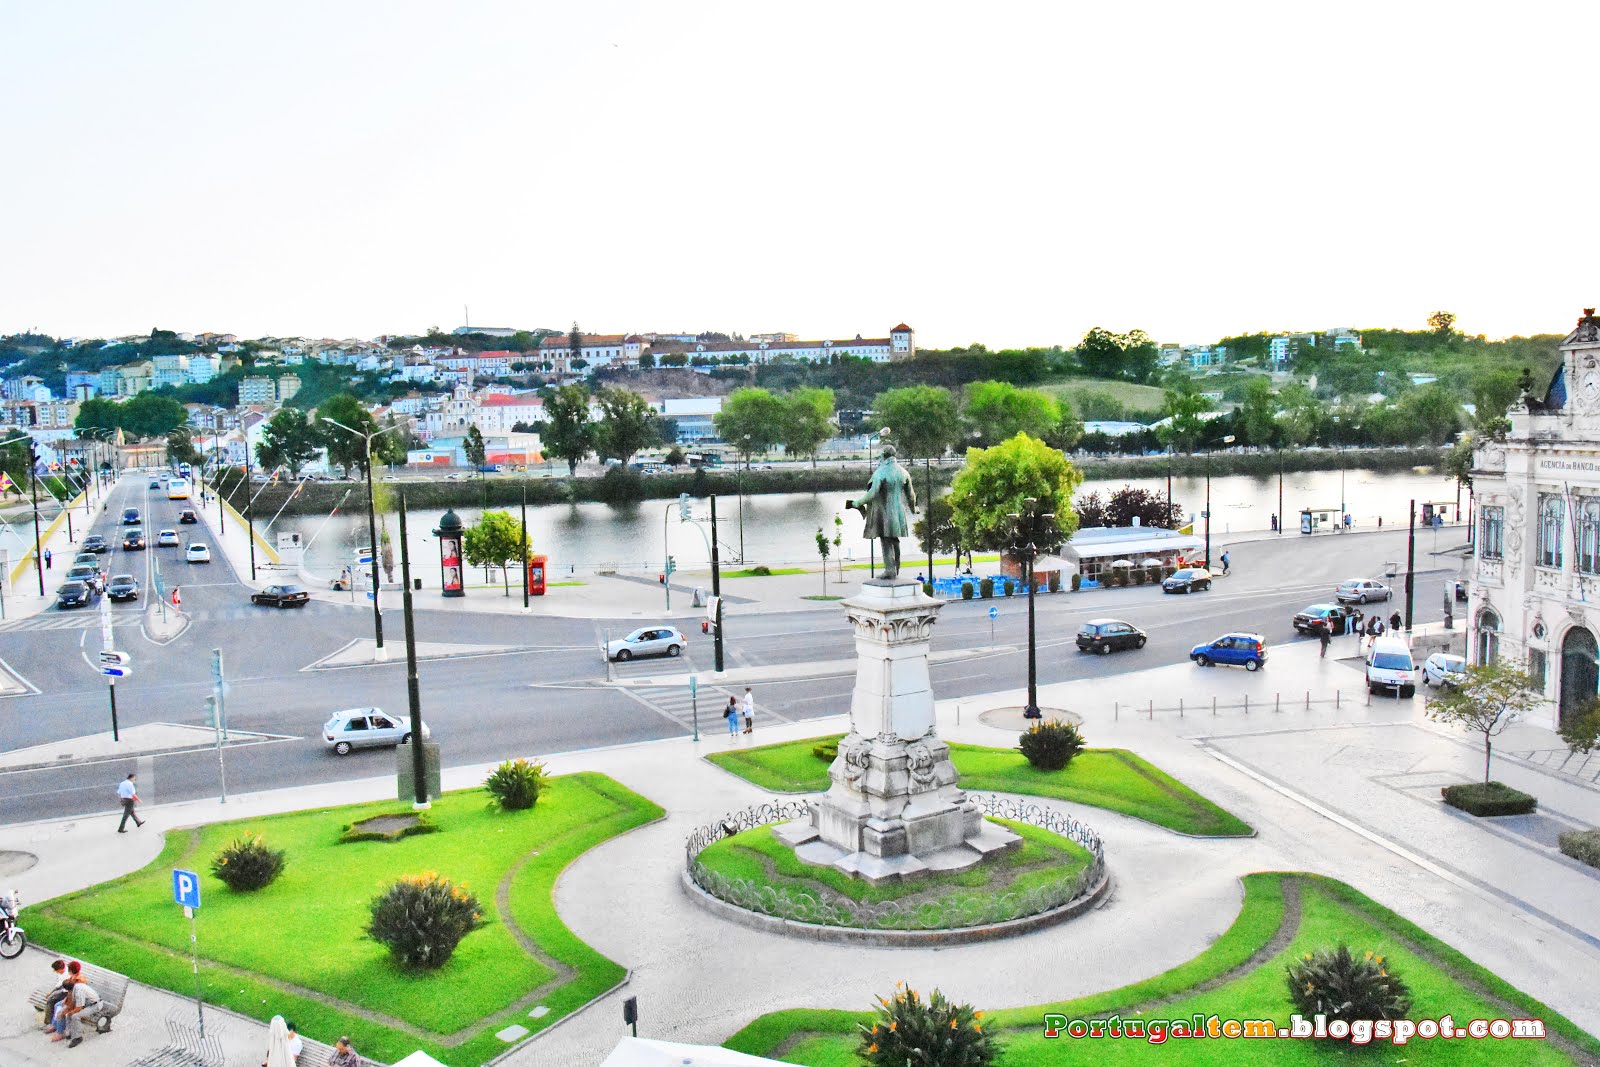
[473, 445]
[807, 421]
[346, 449]
[1258, 412]
[1100, 354]
[1184, 408]
[289, 441]
[1127, 504]
[1433, 413]
[568, 433]
[995, 482]
[181, 449]
[496, 540]
[998, 411]
[1442, 323]
[1487, 701]
[627, 424]
[751, 420]
[921, 419]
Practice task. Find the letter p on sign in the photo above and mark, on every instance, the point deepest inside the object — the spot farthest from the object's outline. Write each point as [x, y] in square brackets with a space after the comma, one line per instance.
[186, 888]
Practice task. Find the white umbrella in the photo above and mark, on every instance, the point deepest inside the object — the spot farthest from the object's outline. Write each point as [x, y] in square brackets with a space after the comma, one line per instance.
[1121, 563]
[643, 1052]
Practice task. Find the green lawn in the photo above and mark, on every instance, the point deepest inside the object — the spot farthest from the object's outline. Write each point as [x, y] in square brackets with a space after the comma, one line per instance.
[1110, 778]
[772, 572]
[1134, 397]
[298, 947]
[1241, 976]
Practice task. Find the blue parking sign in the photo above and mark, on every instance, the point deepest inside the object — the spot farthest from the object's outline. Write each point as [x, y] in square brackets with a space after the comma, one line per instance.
[994, 613]
[186, 888]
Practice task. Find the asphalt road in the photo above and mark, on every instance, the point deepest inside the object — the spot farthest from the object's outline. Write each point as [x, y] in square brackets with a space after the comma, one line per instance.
[553, 694]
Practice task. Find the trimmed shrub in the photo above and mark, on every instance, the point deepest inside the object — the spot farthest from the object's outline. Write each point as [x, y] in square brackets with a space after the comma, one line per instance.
[1582, 732]
[935, 1033]
[247, 864]
[986, 588]
[1050, 745]
[1011, 587]
[761, 570]
[417, 823]
[1116, 579]
[516, 784]
[1168, 571]
[927, 588]
[826, 750]
[1340, 986]
[1489, 798]
[1054, 581]
[1581, 845]
[966, 590]
[422, 918]
[1077, 582]
[1137, 576]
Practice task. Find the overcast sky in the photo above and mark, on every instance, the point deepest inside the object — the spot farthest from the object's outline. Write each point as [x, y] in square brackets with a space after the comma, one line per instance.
[1011, 173]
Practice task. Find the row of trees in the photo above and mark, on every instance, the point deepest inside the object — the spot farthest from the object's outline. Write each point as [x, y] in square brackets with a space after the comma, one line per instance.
[627, 425]
[756, 420]
[291, 439]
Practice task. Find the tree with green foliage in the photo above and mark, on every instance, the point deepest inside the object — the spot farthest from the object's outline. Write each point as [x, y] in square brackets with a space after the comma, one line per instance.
[347, 448]
[180, 448]
[1301, 416]
[98, 413]
[1433, 412]
[568, 434]
[1442, 323]
[473, 445]
[289, 441]
[1258, 412]
[1100, 354]
[998, 411]
[647, 360]
[1097, 405]
[1183, 407]
[751, 420]
[1127, 504]
[922, 420]
[627, 425]
[807, 421]
[1488, 699]
[1493, 393]
[575, 345]
[390, 447]
[936, 529]
[823, 548]
[496, 540]
[1458, 462]
[995, 481]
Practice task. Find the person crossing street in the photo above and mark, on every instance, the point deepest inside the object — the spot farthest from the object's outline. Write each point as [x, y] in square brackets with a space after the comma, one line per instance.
[128, 794]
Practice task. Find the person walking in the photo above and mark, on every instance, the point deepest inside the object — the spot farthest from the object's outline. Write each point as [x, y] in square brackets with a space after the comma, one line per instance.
[129, 795]
[177, 601]
[731, 713]
[1395, 622]
[47, 558]
[1324, 635]
[749, 711]
[1224, 564]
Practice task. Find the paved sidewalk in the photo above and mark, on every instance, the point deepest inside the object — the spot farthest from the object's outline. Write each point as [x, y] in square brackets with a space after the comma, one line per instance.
[61, 537]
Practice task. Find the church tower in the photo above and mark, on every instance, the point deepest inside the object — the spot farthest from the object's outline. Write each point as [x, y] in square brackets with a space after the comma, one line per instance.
[902, 343]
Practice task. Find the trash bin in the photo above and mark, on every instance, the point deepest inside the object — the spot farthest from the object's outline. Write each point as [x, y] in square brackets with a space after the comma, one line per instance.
[699, 596]
[416, 584]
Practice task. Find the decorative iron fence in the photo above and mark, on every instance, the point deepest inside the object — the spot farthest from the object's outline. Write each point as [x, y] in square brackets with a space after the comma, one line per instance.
[951, 911]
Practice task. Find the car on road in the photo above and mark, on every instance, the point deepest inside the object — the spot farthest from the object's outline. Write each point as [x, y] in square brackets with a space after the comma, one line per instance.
[1442, 668]
[87, 559]
[1235, 650]
[130, 517]
[155, 483]
[74, 595]
[133, 539]
[648, 641]
[356, 728]
[123, 587]
[1390, 666]
[281, 596]
[1362, 590]
[167, 539]
[1338, 618]
[197, 553]
[187, 517]
[1108, 635]
[1187, 580]
[86, 574]
[95, 543]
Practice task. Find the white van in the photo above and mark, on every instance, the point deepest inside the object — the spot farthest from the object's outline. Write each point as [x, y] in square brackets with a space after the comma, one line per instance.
[1390, 666]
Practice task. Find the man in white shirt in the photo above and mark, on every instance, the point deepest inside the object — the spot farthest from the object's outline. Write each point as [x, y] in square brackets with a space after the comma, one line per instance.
[83, 1003]
[129, 797]
[749, 711]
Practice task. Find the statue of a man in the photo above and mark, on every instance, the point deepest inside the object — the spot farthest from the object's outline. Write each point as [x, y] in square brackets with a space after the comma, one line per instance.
[887, 507]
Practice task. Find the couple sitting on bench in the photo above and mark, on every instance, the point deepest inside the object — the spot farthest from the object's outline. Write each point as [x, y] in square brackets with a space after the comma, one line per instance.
[70, 1003]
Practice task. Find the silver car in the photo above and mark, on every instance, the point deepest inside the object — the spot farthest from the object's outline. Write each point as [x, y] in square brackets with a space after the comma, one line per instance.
[1441, 668]
[1362, 590]
[356, 728]
[648, 641]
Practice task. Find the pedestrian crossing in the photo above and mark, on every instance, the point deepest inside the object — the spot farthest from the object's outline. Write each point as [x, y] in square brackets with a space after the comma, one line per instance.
[679, 704]
[63, 621]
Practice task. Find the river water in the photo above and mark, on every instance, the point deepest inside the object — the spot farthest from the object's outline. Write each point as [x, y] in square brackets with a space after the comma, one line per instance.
[781, 528]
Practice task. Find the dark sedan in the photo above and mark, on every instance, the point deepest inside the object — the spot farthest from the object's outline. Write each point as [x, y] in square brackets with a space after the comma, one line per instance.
[1187, 580]
[281, 596]
[123, 587]
[1108, 635]
[187, 517]
[95, 543]
[74, 595]
[133, 540]
[1337, 618]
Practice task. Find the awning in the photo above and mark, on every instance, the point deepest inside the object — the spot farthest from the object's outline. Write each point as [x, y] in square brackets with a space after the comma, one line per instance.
[643, 1052]
[1124, 549]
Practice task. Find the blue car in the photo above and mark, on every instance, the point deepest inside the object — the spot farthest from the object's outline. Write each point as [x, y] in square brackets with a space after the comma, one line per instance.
[1238, 650]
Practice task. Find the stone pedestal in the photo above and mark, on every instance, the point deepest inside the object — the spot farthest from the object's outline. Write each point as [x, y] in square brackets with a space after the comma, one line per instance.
[894, 809]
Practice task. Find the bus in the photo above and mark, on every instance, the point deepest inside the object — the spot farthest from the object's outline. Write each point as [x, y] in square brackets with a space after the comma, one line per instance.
[177, 489]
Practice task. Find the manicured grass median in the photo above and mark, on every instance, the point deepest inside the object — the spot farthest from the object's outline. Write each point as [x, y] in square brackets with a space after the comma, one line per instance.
[1241, 976]
[1110, 778]
[298, 947]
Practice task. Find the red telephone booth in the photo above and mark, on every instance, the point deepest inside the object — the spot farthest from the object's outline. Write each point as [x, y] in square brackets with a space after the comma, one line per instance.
[536, 569]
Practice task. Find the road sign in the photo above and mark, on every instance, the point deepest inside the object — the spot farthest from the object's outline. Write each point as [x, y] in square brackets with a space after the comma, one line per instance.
[186, 888]
[371, 595]
[113, 658]
[364, 556]
[116, 672]
[994, 613]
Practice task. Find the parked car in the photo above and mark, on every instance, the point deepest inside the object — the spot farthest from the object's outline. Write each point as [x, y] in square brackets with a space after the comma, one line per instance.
[187, 517]
[1107, 635]
[167, 539]
[86, 574]
[1390, 666]
[1362, 590]
[1441, 668]
[281, 596]
[197, 553]
[1235, 650]
[356, 728]
[648, 641]
[74, 595]
[123, 587]
[133, 539]
[1187, 580]
[1338, 618]
[130, 517]
[95, 543]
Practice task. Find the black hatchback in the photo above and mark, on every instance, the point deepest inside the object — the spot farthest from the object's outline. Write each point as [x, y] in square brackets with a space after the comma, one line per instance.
[1109, 635]
[74, 595]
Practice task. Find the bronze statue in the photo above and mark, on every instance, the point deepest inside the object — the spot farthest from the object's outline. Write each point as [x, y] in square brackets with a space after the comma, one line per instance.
[886, 508]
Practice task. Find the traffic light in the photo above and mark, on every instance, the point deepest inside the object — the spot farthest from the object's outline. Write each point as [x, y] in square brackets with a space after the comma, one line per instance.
[683, 507]
[672, 564]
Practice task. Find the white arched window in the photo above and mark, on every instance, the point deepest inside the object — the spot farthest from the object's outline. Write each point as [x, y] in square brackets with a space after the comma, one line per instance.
[1552, 507]
[1488, 646]
[1589, 535]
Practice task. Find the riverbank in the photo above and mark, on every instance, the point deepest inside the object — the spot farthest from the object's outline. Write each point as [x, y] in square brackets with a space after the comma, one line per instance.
[320, 498]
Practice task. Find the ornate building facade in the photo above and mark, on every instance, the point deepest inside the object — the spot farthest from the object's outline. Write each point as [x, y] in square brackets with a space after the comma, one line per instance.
[1535, 590]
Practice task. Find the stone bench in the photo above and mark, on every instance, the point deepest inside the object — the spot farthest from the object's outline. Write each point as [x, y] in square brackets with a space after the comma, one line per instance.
[112, 987]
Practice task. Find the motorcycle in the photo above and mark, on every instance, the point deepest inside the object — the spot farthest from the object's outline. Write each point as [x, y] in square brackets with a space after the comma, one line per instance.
[12, 938]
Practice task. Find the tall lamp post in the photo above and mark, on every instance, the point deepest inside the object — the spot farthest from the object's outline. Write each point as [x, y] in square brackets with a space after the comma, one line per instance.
[366, 437]
[1228, 440]
[33, 462]
[1032, 530]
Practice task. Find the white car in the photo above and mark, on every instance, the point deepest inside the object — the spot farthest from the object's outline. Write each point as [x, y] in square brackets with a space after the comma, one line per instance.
[197, 554]
[1362, 590]
[167, 539]
[1441, 668]
[1390, 667]
[648, 641]
[356, 728]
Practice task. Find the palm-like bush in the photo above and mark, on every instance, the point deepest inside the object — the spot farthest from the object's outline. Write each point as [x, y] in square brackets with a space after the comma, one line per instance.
[926, 1033]
[247, 864]
[516, 784]
[1051, 745]
[422, 918]
[1341, 986]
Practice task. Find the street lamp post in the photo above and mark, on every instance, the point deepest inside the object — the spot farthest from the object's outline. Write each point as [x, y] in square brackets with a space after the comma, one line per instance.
[419, 758]
[372, 529]
[1031, 529]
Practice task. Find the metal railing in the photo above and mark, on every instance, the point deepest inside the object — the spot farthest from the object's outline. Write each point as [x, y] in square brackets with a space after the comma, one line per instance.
[1277, 703]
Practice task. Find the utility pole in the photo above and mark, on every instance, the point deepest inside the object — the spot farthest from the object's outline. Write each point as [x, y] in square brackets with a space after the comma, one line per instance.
[1411, 562]
[927, 516]
[524, 547]
[33, 489]
[419, 762]
[716, 588]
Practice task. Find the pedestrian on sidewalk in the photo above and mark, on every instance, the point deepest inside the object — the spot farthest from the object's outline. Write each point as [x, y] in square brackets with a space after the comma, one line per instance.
[731, 713]
[47, 558]
[1224, 564]
[177, 601]
[749, 711]
[278, 1054]
[1324, 635]
[1395, 622]
[129, 795]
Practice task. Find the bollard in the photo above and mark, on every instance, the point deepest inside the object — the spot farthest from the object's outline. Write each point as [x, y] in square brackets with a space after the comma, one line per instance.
[1337, 693]
[1277, 699]
[1116, 709]
[1308, 700]
[1180, 707]
[1247, 703]
[1152, 709]
[1369, 696]
[1213, 705]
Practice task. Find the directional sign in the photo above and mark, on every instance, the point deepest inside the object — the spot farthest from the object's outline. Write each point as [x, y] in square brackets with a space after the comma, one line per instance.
[994, 613]
[371, 595]
[112, 658]
[365, 560]
[186, 888]
[364, 555]
[116, 672]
